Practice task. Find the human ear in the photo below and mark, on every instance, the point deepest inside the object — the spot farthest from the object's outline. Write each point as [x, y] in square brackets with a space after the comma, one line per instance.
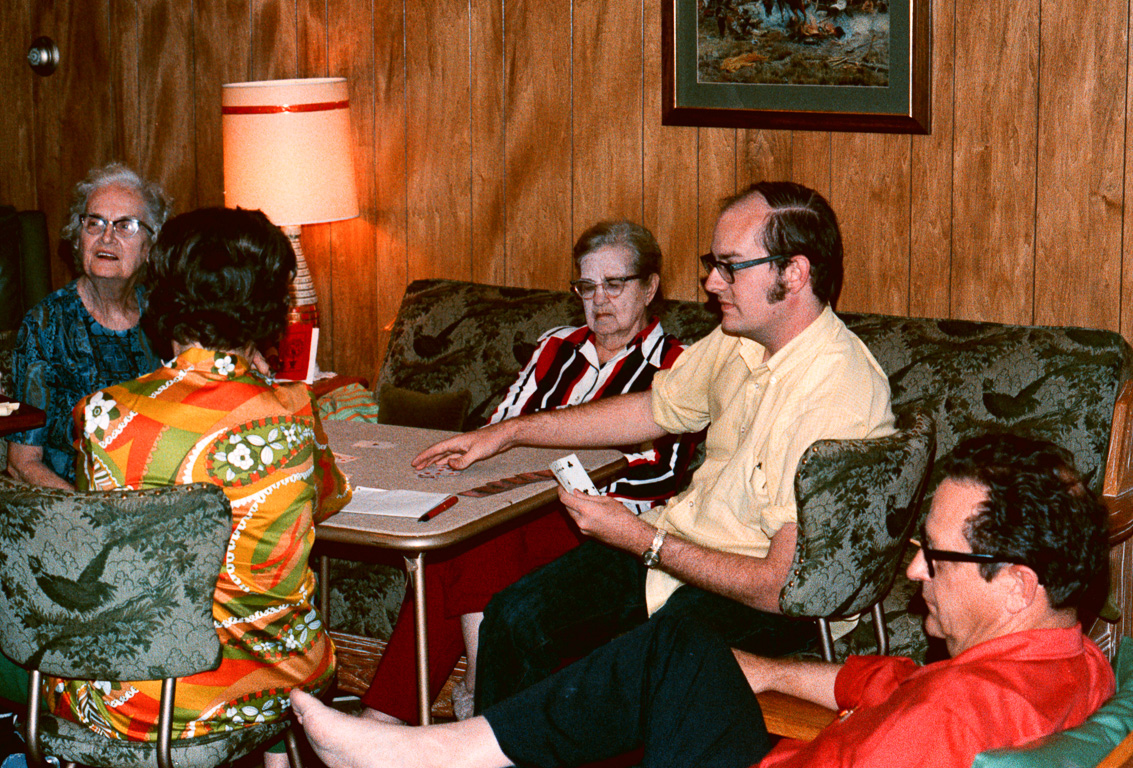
[654, 285]
[1021, 585]
[796, 276]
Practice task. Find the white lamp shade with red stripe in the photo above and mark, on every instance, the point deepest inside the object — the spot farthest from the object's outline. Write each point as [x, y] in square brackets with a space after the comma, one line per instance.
[288, 149]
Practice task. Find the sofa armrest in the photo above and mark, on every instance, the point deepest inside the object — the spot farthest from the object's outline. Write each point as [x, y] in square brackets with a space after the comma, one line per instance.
[1117, 489]
[792, 717]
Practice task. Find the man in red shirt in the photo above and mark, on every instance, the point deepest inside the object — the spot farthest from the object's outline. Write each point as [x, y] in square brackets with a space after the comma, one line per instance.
[1011, 544]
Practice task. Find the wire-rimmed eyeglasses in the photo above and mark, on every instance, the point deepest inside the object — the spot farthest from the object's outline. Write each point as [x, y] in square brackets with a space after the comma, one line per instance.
[611, 286]
[727, 269]
[947, 555]
[124, 228]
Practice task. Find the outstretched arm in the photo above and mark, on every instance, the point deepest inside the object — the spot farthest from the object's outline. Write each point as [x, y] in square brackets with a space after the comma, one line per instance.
[620, 420]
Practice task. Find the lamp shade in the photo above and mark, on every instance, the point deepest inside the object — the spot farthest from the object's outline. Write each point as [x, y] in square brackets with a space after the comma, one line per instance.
[287, 149]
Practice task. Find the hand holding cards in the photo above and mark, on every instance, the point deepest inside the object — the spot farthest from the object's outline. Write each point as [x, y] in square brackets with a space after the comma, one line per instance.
[572, 475]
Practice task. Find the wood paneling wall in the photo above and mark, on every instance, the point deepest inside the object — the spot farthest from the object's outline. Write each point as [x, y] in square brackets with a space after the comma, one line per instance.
[489, 133]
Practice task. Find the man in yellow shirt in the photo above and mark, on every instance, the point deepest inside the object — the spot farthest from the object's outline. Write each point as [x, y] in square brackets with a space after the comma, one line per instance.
[780, 372]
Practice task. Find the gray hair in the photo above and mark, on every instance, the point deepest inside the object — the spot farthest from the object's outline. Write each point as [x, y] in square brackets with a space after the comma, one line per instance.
[157, 205]
[639, 241]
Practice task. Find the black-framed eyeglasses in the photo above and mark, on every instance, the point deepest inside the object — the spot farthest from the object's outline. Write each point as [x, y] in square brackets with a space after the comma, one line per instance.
[124, 228]
[947, 555]
[727, 269]
[611, 286]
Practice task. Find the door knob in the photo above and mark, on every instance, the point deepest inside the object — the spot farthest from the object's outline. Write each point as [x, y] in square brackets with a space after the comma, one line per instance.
[43, 56]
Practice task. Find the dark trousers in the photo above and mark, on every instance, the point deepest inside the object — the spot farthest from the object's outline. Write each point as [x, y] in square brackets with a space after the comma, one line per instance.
[591, 594]
[670, 686]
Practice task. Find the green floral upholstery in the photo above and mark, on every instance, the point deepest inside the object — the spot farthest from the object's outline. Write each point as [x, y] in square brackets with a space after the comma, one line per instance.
[857, 503]
[77, 602]
[1055, 383]
[365, 598]
[1058, 384]
[61, 737]
[116, 586]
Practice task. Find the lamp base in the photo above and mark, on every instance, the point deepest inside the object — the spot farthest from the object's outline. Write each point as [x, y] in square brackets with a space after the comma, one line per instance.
[298, 346]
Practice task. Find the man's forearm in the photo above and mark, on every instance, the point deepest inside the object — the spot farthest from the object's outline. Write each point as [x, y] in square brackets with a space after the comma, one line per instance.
[810, 680]
[753, 581]
[621, 420]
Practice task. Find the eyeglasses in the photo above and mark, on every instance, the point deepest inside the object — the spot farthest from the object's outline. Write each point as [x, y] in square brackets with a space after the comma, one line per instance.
[727, 269]
[947, 555]
[611, 286]
[123, 228]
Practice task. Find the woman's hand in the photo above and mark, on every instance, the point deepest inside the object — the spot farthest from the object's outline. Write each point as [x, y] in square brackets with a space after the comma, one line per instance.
[25, 463]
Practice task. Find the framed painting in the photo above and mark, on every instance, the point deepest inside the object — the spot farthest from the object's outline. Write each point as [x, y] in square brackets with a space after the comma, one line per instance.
[822, 65]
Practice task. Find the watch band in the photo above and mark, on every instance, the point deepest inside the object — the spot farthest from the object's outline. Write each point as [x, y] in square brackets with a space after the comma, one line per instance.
[651, 557]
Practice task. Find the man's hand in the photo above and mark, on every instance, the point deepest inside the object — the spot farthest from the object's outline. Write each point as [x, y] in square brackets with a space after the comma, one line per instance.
[608, 520]
[467, 449]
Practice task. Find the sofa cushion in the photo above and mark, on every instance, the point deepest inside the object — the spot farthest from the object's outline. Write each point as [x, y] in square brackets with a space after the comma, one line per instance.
[406, 408]
[1058, 384]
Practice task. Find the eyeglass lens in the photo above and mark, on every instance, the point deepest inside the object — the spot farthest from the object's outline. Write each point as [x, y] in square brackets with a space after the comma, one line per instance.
[611, 286]
[723, 268]
[124, 228]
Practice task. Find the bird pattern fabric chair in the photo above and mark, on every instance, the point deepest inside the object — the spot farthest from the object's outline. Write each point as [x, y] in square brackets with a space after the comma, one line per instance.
[117, 586]
[858, 502]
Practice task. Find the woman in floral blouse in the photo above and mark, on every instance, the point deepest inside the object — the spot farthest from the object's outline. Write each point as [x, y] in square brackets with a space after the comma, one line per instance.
[219, 282]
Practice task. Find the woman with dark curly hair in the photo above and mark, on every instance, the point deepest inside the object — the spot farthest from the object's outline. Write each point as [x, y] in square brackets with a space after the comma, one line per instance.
[219, 281]
[86, 335]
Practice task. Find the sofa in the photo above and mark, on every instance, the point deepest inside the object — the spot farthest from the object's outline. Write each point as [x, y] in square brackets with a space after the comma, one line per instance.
[465, 342]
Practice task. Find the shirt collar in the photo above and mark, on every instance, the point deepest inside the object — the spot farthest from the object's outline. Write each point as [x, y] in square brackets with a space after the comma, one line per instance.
[813, 337]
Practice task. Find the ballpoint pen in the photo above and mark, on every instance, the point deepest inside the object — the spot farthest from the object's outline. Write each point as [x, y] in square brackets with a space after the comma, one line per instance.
[449, 502]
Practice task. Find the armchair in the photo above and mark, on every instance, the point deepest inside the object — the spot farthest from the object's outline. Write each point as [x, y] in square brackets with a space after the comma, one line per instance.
[117, 586]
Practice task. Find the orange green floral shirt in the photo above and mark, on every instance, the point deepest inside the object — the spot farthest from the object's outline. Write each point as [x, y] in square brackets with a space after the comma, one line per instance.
[205, 418]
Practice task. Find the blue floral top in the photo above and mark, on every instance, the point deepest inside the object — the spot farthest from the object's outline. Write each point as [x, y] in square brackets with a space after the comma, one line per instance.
[62, 355]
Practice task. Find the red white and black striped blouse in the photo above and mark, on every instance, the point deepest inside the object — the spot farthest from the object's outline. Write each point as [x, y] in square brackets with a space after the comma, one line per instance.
[565, 371]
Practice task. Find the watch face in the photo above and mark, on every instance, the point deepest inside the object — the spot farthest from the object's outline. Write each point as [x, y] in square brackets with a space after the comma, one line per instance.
[650, 558]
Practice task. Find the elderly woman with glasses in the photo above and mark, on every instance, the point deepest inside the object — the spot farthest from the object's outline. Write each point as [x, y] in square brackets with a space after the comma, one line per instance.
[86, 335]
[617, 351]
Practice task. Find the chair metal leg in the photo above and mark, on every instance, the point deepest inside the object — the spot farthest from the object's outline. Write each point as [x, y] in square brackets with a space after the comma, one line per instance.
[826, 639]
[31, 734]
[292, 742]
[324, 590]
[165, 723]
[880, 630]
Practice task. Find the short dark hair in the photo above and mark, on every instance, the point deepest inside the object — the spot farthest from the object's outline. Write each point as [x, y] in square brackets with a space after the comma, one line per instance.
[219, 277]
[156, 202]
[801, 222]
[1038, 510]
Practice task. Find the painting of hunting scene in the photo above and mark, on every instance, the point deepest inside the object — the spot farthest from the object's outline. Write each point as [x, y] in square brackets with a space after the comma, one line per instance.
[793, 42]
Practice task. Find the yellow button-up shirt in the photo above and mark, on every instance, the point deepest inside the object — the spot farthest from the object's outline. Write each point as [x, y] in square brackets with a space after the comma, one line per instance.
[761, 417]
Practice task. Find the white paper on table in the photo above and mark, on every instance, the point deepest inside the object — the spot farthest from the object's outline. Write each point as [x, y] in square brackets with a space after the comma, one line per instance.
[375, 501]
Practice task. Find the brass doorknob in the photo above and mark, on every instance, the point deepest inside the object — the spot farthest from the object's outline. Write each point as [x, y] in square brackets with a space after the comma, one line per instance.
[43, 56]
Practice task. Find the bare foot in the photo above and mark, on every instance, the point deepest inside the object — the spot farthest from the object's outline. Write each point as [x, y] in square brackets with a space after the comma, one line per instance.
[342, 741]
[376, 714]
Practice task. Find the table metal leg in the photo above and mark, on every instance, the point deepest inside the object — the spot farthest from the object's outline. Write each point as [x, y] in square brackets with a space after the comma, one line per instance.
[415, 567]
[324, 590]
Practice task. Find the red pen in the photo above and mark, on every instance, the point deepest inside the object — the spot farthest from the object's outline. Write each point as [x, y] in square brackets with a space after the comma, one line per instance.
[450, 501]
